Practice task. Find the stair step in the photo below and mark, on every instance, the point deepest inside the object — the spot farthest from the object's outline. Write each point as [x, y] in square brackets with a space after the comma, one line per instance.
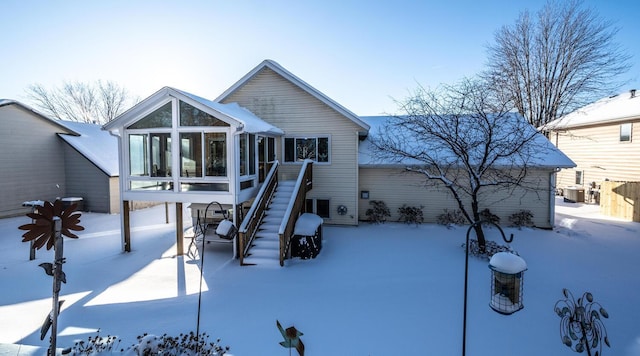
[272, 219]
[273, 246]
[270, 226]
[262, 262]
[268, 235]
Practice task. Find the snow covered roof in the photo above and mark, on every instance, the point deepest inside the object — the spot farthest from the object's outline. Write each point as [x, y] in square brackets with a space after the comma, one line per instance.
[268, 63]
[232, 113]
[246, 118]
[98, 146]
[548, 156]
[611, 109]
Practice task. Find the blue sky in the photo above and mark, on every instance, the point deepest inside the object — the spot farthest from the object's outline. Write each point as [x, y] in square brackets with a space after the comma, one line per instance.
[363, 54]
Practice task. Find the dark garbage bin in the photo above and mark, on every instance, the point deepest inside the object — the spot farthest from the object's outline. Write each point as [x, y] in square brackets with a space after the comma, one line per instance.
[66, 202]
[307, 236]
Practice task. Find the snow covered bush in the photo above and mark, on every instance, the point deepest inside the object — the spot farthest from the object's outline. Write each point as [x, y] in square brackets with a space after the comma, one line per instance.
[411, 214]
[521, 218]
[379, 212]
[451, 217]
[148, 344]
[487, 216]
[491, 249]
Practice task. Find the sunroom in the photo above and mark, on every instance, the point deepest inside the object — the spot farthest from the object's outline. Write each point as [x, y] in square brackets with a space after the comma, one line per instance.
[181, 148]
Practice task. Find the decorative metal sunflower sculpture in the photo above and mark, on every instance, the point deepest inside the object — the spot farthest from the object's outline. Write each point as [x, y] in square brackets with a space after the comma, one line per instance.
[41, 230]
[581, 326]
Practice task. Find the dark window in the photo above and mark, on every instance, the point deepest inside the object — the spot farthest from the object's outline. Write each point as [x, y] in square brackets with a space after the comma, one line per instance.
[322, 208]
[313, 148]
[159, 118]
[191, 116]
[319, 207]
[578, 177]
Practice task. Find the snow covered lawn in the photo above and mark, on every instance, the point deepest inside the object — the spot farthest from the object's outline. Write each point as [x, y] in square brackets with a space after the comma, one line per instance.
[387, 289]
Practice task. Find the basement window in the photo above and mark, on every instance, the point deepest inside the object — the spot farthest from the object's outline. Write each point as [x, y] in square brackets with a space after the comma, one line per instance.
[319, 207]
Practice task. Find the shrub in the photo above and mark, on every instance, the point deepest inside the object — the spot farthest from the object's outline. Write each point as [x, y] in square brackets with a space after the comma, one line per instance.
[184, 345]
[378, 212]
[411, 214]
[488, 217]
[521, 218]
[451, 217]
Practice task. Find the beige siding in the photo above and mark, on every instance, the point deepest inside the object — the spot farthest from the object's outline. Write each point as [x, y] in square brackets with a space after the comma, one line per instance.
[114, 195]
[599, 154]
[397, 188]
[32, 157]
[298, 113]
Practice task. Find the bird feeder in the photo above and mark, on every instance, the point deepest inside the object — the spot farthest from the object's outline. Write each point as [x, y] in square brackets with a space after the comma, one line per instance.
[507, 270]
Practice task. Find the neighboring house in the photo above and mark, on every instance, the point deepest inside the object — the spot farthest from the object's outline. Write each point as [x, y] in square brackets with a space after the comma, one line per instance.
[45, 159]
[178, 147]
[602, 139]
[91, 167]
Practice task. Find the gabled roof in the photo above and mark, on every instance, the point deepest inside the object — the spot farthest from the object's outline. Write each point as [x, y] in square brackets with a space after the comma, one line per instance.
[267, 63]
[232, 113]
[548, 156]
[96, 145]
[6, 102]
[621, 107]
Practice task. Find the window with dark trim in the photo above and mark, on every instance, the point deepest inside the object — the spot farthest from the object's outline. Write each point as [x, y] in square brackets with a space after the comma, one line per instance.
[297, 149]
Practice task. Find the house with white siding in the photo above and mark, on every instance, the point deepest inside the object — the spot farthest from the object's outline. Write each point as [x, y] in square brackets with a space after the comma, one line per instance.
[45, 159]
[268, 150]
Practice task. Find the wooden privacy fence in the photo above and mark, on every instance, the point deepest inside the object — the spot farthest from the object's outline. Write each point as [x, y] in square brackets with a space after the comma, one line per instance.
[620, 199]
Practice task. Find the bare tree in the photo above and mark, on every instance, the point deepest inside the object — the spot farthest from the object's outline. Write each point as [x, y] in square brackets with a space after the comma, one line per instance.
[464, 139]
[556, 62]
[81, 101]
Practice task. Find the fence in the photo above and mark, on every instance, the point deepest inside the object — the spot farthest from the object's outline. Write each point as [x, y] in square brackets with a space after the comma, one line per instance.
[620, 199]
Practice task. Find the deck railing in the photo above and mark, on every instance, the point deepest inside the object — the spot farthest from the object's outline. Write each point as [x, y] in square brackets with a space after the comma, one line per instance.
[253, 219]
[304, 183]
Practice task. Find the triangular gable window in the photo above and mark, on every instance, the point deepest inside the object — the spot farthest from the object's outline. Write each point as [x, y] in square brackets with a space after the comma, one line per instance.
[191, 116]
[158, 118]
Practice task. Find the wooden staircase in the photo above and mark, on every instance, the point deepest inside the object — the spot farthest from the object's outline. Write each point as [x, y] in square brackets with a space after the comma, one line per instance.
[265, 249]
[267, 230]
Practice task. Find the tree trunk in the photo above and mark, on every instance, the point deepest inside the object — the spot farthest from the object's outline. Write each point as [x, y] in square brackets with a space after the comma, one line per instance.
[482, 242]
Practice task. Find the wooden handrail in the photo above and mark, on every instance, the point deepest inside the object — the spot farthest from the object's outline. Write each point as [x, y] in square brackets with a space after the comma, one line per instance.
[304, 183]
[253, 219]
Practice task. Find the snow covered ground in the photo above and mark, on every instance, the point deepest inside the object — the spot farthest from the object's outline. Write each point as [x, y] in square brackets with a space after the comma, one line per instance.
[387, 289]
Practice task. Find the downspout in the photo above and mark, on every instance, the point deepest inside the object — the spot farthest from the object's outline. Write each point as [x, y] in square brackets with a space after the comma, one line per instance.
[235, 185]
[552, 197]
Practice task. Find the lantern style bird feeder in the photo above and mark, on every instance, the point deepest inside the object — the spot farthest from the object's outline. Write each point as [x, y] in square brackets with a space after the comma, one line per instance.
[507, 271]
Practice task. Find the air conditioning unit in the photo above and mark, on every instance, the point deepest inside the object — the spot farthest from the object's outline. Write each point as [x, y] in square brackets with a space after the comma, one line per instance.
[574, 194]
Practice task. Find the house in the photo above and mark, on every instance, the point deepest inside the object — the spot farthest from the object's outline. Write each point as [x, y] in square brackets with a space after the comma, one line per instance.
[267, 129]
[52, 159]
[600, 139]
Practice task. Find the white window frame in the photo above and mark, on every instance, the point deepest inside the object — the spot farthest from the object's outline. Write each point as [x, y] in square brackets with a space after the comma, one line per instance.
[623, 127]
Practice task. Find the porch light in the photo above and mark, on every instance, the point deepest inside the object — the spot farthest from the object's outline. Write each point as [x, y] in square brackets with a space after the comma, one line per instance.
[507, 271]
